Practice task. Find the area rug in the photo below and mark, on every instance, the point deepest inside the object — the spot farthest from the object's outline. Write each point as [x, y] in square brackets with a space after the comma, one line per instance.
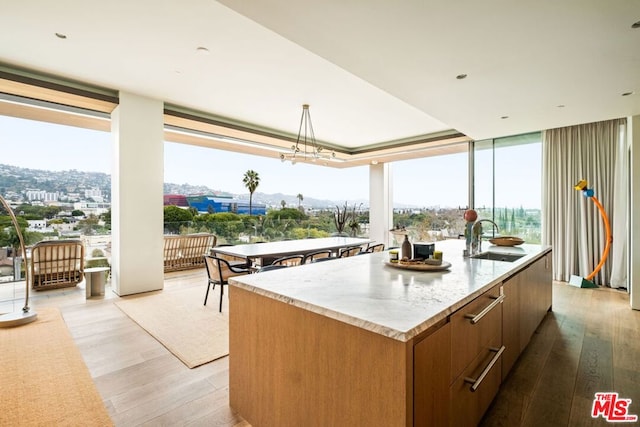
[43, 379]
[194, 333]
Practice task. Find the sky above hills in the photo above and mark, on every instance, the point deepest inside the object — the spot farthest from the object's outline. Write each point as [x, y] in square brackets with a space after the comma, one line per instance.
[431, 182]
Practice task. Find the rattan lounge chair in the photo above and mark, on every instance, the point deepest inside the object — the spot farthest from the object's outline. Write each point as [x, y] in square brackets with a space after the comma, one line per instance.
[57, 264]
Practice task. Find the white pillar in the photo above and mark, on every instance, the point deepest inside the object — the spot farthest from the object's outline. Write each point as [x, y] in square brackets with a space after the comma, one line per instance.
[380, 203]
[633, 132]
[137, 179]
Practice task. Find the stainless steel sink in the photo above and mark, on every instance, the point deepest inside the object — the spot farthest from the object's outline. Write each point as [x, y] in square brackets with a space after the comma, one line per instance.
[495, 256]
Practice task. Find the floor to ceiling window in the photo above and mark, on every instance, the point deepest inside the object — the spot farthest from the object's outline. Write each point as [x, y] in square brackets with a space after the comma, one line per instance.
[57, 179]
[507, 184]
[430, 195]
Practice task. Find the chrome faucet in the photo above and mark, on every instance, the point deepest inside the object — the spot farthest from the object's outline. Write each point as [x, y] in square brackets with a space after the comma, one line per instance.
[476, 235]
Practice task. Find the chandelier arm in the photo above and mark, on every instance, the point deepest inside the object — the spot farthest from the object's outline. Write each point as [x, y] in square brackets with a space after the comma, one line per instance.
[311, 148]
[302, 121]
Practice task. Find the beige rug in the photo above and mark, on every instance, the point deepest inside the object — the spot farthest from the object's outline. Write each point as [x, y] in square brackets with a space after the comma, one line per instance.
[194, 333]
[43, 379]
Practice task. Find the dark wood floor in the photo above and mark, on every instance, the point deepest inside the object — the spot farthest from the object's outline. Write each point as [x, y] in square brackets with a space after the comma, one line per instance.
[589, 343]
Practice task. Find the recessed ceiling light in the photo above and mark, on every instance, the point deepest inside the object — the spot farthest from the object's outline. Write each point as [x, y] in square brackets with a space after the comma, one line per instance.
[627, 93]
[461, 76]
[202, 51]
[636, 25]
[374, 162]
[61, 36]
[504, 117]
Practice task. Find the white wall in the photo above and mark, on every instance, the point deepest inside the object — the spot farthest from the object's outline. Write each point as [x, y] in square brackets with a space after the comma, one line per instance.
[136, 189]
[380, 203]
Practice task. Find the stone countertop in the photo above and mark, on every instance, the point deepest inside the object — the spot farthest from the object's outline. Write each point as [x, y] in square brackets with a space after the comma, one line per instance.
[400, 304]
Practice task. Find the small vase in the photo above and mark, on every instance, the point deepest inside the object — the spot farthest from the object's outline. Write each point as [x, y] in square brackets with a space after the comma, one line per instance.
[406, 247]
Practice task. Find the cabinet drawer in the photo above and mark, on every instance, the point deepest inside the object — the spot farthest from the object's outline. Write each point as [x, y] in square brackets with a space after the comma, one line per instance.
[472, 393]
[473, 327]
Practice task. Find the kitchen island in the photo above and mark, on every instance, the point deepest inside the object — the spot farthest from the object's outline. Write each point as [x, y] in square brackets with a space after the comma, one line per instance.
[358, 342]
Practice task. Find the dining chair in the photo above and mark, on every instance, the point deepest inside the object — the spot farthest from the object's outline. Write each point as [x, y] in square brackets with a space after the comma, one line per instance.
[271, 267]
[289, 261]
[218, 273]
[314, 256]
[331, 258]
[234, 261]
[375, 248]
[349, 251]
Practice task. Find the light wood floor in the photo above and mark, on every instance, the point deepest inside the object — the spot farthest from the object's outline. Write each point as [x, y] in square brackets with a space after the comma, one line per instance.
[590, 342]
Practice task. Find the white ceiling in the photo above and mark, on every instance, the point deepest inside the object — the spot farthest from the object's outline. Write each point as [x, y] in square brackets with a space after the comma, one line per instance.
[373, 71]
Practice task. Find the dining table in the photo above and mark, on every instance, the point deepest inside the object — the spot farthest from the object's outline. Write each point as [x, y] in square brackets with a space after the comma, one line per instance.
[263, 253]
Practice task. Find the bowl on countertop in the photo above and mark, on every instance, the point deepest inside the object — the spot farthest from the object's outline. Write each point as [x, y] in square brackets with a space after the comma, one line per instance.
[506, 241]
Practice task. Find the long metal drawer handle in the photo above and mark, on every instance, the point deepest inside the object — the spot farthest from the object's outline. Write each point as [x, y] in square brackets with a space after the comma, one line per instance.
[475, 383]
[475, 318]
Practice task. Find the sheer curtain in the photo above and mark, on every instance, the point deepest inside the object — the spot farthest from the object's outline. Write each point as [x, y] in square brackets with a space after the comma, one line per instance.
[572, 223]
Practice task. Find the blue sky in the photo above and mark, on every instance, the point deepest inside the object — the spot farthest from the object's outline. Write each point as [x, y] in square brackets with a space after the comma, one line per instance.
[422, 182]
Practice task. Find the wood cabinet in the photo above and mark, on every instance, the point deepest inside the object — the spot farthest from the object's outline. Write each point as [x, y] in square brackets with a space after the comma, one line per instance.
[473, 327]
[468, 402]
[431, 377]
[300, 368]
[534, 297]
[292, 366]
[476, 353]
[525, 299]
[511, 322]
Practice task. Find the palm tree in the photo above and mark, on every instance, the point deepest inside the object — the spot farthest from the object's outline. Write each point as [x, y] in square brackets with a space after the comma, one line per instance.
[283, 203]
[251, 180]
[300, 199]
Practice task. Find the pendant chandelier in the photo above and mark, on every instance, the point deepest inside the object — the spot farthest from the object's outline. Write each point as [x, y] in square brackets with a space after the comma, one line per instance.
[306, 149]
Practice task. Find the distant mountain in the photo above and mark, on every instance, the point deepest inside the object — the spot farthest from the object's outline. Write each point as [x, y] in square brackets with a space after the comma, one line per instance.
[292, 201]
[17, 180]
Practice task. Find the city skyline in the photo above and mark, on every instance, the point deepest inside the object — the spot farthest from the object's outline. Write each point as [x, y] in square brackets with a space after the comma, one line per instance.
[437, 181]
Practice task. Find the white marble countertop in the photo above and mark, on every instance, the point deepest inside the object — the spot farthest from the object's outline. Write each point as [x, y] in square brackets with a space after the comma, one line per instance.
[400, 304]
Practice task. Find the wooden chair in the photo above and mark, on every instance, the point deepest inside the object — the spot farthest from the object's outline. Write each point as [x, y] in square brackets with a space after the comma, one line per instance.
[235, 261]
[314, 256]
[57, 264]
[219, 271]
[184, 252]
[349, 251]
[289, 261]
[375, 248]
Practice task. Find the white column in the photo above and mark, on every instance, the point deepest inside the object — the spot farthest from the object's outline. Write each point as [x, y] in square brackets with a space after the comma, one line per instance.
[633, 133]
[380, 203]
[137, 179]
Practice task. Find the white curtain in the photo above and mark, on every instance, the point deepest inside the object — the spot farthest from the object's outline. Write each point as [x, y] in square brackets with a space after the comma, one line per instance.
[572, 223]
[620, 216]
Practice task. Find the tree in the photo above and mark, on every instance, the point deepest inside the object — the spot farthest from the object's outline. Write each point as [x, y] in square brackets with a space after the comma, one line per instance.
[174, 217]
[300, 199]
[251, 180]
[8, 234]
[106, 217]
[89, 224]
[283, 203]
[286, 213]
